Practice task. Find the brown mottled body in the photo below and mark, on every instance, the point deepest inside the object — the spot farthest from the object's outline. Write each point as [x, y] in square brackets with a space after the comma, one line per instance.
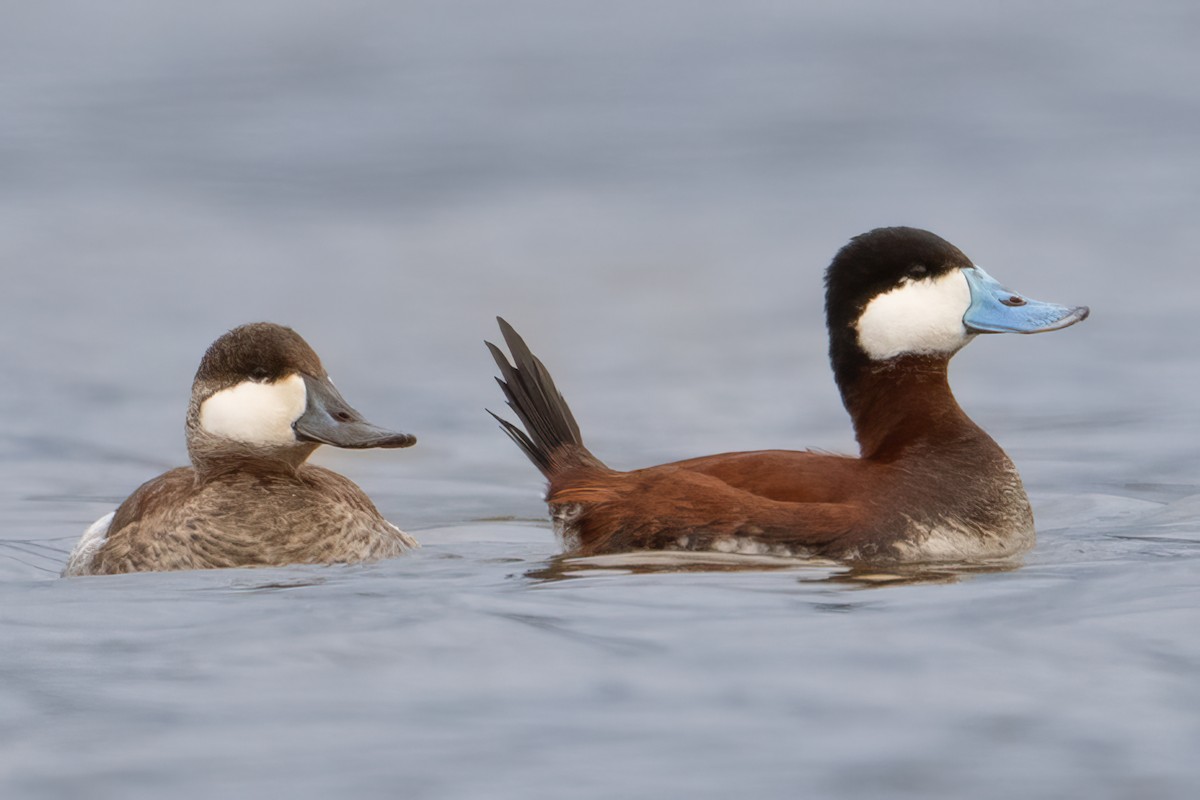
[267, 517]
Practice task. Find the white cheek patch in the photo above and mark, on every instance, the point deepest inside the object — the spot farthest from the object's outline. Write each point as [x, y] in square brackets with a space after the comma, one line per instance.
[917, 317]
[256, 413]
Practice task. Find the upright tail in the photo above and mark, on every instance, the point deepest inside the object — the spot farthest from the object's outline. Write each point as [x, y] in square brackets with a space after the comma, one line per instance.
[551, 436]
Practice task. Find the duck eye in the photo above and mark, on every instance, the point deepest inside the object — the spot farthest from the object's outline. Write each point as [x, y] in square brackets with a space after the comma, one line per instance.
[260, 373]
[918, 271]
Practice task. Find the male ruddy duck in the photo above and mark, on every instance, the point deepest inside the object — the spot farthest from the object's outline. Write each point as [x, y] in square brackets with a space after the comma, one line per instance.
[930, 485]
[261, 404]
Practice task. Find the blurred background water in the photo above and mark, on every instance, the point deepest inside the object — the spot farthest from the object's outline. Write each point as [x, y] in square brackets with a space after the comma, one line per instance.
[650, 192]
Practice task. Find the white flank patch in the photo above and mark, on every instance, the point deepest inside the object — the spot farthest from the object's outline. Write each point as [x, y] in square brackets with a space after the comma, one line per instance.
[256, 413]
[917, 317]
[90, 543]
[407, 540]
[956, 541]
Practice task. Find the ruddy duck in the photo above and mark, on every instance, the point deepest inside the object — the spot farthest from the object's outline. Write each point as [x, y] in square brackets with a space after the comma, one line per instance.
[930, 485]
[261, 404]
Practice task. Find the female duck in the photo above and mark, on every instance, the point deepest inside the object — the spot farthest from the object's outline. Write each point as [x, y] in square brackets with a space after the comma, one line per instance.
[930, 485]
[261, 404]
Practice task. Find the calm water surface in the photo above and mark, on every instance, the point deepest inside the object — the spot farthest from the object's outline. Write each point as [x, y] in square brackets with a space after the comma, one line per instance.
[650, 192]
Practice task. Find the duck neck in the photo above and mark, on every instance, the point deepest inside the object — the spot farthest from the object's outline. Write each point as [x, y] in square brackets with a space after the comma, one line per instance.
[903, 402]
[213, 455]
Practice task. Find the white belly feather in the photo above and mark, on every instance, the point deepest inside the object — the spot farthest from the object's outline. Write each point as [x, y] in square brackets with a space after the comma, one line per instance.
[90, 543]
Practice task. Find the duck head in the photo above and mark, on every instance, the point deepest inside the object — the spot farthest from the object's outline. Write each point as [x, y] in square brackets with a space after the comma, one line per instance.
[262, 392]
[897, 293]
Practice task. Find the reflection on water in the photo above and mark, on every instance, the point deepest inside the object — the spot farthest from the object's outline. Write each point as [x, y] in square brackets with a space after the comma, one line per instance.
[918, 574]
[808, 570]
[651, 561]
[250, 585]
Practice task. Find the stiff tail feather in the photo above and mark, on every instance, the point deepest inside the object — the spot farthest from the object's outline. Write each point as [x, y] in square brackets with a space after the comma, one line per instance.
[551, 436]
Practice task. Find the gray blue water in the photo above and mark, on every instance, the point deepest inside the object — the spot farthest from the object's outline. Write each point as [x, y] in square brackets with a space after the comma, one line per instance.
[650, 192]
